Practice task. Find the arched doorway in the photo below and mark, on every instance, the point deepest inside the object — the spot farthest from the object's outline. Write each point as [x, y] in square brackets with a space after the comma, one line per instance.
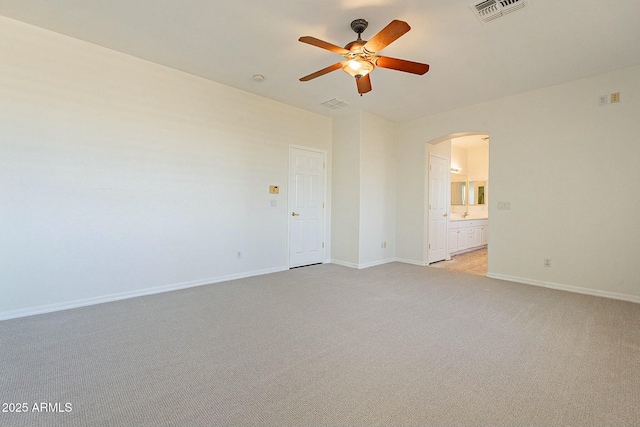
[457, 234]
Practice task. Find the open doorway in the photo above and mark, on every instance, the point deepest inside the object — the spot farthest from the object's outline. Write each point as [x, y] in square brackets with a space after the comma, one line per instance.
[473, 262]
[467, 216]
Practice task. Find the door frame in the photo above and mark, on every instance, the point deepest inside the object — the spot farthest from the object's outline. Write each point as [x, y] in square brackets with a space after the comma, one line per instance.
[325, 237]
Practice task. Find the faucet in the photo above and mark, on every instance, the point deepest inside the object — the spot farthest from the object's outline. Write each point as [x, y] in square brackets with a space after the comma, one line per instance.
[464, 215]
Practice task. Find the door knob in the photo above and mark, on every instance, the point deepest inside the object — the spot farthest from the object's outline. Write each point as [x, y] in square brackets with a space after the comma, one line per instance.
[295, 214]
[444, 214]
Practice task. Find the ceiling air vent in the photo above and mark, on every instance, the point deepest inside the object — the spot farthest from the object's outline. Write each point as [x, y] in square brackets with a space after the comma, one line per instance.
[488, 10]
[334, 103]
[509, 6]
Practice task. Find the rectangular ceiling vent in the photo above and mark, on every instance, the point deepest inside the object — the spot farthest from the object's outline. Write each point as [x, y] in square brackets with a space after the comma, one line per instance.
[334, 104]
[488, 10]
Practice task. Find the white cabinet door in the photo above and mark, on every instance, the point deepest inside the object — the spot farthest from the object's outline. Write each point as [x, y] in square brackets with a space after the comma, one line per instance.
[463, 238]
[453, 240]
[477, 236]
[470, 234]
[485, 235]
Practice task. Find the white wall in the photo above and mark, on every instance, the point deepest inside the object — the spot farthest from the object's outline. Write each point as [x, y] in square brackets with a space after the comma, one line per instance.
[364, 176]
[459, 158]
[377, 190]
[120, 177]
[345, 234]
[478, 164]
[476, 168]
[565, 165]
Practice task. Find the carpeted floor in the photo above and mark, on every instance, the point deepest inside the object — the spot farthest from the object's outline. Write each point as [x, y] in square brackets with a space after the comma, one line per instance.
[327, 345]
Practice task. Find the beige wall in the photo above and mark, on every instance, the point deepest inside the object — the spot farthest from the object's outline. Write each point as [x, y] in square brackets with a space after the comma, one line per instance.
[345, 235]
[364, 173]
[377, 190]
[565, 164]
[121, 177]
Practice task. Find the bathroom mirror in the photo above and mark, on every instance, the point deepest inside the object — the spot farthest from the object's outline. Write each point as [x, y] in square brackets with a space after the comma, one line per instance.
[477, 191]
[459, 193]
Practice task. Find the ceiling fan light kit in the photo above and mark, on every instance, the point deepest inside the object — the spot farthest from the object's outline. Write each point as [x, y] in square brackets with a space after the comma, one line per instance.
[358, 67]
[361, 56]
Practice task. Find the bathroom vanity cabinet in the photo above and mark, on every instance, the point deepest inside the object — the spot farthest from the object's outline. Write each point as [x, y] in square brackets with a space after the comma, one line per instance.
[466, 235]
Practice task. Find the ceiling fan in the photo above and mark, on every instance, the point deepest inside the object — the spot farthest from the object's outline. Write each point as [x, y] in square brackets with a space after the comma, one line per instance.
[361, 56]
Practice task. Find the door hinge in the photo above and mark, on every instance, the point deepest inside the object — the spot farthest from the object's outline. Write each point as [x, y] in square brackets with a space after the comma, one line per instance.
[430, 167]
[324, 165]
[323, 206]
[429, 246]
[322, 244]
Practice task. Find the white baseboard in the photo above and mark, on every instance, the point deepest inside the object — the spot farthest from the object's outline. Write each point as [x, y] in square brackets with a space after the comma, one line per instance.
[411, 261]
[568, 288]
[374, 263]
[50, 308]
[361, 266]
[344, 263]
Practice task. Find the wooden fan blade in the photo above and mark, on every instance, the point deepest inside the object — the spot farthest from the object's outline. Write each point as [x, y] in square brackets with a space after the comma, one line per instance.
[402, 65]
[324, 45]
[322, 72]
[387, 35]
[364, 84]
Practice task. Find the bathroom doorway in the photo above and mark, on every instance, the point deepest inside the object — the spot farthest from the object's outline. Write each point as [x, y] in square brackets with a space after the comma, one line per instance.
[468, 208]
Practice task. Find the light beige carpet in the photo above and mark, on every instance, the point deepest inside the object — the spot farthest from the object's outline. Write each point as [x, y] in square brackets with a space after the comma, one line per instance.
[327, 345]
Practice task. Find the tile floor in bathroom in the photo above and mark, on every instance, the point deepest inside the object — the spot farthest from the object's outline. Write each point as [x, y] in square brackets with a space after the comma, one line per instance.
[474, 262]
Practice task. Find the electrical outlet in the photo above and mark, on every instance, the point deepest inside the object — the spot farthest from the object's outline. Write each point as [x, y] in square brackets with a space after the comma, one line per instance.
[547, 262]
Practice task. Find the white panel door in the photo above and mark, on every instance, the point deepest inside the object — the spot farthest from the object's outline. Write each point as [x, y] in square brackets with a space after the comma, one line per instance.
[438, 207]
[306, 205]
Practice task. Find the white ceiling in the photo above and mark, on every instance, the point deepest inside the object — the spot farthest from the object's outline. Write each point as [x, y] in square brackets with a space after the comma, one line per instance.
[546, 43]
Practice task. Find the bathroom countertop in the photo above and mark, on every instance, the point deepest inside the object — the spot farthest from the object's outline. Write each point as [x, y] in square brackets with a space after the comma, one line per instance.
[468, 218]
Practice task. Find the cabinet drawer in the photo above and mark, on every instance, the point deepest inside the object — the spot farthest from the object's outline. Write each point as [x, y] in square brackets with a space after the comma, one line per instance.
[466, 224]
[472, 223]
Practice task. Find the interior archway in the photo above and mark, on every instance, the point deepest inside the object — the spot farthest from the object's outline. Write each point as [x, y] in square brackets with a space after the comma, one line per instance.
[467, 154]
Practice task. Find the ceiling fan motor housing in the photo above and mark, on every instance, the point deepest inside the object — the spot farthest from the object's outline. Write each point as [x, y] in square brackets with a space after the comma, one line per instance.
[359, 25]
